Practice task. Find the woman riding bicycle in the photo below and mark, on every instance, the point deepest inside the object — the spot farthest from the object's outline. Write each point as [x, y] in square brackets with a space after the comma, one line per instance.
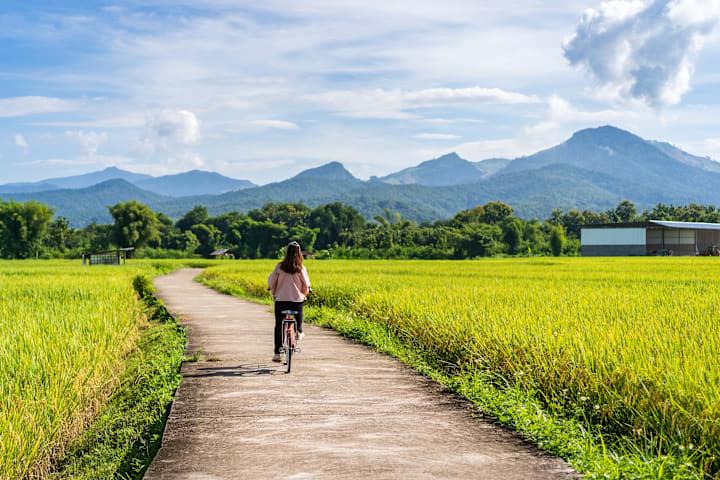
[289, 284]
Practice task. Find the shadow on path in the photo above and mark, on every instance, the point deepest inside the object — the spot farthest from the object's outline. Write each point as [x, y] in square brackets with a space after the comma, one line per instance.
[237, 371]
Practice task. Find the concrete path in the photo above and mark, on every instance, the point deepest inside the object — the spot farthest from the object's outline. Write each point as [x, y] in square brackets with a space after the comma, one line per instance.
[344, 412]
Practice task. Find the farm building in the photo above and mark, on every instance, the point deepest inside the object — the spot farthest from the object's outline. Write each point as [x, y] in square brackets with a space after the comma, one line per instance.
[655, 237]
[110, 257]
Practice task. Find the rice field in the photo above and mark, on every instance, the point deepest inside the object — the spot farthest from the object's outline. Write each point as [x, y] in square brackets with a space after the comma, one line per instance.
[65, 332]
[629, 347]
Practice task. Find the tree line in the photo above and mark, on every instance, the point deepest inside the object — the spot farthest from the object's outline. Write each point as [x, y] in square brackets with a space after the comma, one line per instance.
[334, 230]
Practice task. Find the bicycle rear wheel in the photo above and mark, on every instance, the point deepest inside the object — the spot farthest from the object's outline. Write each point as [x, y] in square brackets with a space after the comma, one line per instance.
[288, 358]
[289, 342]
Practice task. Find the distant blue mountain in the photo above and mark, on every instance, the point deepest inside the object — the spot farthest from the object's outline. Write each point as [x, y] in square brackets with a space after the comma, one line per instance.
[620, 154]
[704, 163]
[194, 182]
[87, 205]
[594, 169]
[447, 170]
[93, 178]
[24, 187]
[329, 171]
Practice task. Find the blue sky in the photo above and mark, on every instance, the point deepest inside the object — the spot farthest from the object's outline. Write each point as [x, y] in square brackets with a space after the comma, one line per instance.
[262, 90]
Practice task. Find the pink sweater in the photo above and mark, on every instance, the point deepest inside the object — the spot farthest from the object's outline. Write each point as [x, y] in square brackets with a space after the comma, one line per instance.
[289, 287]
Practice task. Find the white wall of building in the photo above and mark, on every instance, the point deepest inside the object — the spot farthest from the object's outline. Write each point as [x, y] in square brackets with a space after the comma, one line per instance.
[612, 236]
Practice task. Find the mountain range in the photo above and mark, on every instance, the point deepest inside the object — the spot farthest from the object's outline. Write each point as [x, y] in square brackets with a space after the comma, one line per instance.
[444, 171]
[194, 182]
[594, 169]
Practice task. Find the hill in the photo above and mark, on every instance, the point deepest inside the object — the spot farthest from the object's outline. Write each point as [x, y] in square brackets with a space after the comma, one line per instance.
[704, 163]
[75, 181]
[449, 169]
[24, 187]
[87, 205]
[532, 194]
[329, 171]
[93, 178]
[313, 186]
[194, 182]
[491, 166]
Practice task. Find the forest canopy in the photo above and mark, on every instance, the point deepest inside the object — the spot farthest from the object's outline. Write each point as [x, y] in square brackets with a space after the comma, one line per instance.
[334, 230]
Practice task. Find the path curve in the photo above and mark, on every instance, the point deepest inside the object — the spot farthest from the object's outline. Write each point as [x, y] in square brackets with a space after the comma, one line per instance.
[345, 411]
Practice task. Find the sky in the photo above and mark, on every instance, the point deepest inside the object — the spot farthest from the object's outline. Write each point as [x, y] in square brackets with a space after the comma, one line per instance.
[261, 90]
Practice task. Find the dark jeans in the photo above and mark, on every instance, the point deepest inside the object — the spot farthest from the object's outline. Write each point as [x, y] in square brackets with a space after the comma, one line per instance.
[279, 317]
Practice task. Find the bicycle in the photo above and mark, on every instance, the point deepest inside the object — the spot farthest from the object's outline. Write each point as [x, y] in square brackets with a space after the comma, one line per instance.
[289, 342]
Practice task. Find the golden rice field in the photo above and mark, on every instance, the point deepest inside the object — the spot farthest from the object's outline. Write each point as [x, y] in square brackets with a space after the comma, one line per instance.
[65, 331]
[629, 345]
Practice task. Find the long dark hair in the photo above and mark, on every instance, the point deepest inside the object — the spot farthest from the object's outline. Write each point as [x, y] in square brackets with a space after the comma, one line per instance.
[293, 261]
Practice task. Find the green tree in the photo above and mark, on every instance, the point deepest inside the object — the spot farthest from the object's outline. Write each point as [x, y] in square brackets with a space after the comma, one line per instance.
[496, 212]
[97, 237]
[22, 227]
[288, 214]
[513, 234]
[183, 241]
[305, 236]
[557, 241]
[466, 217]
[198, 214]
[135, 224]
[534, 237]
[166, 228]
[493, 213]
[625, 211]
[335, 223]
[208, 237]
[58, 235]
[481, 240]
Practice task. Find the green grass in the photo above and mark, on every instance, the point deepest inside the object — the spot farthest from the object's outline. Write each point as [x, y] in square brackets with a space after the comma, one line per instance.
[610, 363]
[123, 439]
[79, 352]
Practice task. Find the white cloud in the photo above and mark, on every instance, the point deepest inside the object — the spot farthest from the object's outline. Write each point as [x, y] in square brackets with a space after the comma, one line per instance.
[22, 106]
[89, 141]
[445, 121]
[643, 50]
[168, 127]
[396, 104]
[559, 122]
[303, 60]
[437, 136]
[175, 163]
[128, 121]
[186, 160]
[562, 115]
[275, 124]
[498, 148]
[21, 142]
[96, 160]
[710, 147]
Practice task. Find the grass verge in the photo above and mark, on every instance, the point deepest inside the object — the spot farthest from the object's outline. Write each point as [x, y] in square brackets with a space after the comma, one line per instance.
[123, 439]
[509, 403]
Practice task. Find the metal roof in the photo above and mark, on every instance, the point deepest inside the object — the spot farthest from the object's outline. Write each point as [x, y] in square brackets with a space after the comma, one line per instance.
[687, 225]
[107, 252]
[658, 223]
[618, 225]
[219, 252]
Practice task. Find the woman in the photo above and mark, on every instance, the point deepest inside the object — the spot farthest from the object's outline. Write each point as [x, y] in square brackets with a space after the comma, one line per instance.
[289, 284]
